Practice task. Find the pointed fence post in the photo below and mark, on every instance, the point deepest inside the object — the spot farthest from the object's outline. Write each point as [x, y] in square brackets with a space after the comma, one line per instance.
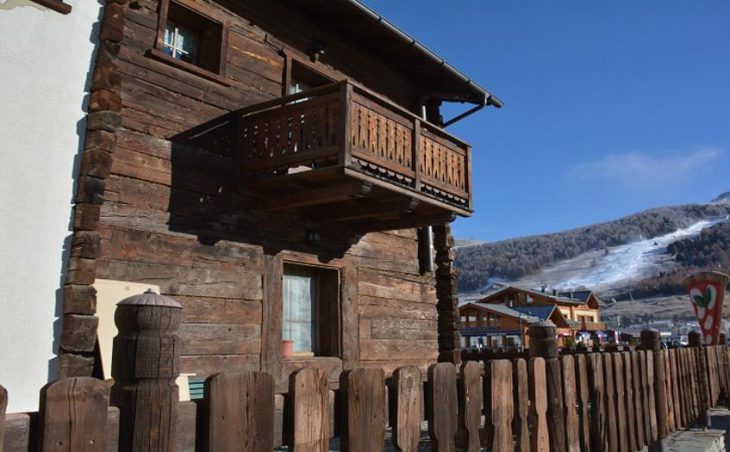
[650, 343]
[146, 362]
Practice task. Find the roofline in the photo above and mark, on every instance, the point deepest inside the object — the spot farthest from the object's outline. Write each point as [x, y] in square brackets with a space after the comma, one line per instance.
[555, 298]
[487, 97]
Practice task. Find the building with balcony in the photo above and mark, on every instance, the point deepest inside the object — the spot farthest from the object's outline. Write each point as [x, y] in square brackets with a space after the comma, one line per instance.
[581, 308]
[280, 168]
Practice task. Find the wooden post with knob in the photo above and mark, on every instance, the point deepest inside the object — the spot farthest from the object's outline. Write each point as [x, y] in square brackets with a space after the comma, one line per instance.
[145, 365]
[544, 344]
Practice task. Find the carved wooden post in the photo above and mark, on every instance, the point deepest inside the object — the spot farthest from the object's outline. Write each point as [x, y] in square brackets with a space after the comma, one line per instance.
[650, 343]
[695, 340]
[544, 344]
[146, 362]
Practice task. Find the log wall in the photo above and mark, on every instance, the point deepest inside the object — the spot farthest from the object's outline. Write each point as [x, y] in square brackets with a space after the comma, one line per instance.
[173, 215]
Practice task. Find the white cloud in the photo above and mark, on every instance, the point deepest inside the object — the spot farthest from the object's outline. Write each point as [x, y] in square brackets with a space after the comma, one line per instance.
[644, 170]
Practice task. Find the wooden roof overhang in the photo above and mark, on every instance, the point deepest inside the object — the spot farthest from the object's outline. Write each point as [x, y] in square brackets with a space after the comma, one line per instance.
[374, 34]
[343, 154]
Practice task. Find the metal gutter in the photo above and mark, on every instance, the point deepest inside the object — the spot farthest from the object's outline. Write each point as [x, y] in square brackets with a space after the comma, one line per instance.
[487, 97]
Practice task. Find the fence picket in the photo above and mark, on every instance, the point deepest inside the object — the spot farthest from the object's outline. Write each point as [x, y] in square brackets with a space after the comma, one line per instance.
[240, 407]
[498, 405]
[3, 407]
[73, 415]
[407, 421]
[647, 398]
[538, 406]
[599, 439]
[570, 403]
[670, 381]
[521, 406]
[309, 394]
[442, 411]
[638, 400]
[470, 399]
[364, 420]
[629, 400]
[610, 391]
[583, 401]
[651, 395]
[618, 378]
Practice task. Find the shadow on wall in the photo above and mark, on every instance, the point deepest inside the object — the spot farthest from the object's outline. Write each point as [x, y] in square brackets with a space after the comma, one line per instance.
[53, 364]
[208, 199]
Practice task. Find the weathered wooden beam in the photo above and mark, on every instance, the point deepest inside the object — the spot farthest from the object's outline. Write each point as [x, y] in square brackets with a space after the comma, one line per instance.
[314, 197]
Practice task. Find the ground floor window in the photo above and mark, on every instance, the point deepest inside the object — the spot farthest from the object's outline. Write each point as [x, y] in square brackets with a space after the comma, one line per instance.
[311, 317]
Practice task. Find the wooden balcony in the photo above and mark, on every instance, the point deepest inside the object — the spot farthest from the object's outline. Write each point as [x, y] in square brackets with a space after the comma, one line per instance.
[592, 326]
[343, 154]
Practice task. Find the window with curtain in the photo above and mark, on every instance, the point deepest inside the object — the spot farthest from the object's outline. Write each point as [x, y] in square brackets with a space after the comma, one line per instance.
[311, 317]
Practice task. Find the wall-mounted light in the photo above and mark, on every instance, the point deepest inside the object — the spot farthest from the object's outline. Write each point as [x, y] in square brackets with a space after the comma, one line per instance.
[314, 237]
[316, 50]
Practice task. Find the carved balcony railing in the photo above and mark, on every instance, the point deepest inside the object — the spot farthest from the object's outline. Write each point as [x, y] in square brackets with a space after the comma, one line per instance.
[347, 131]
[593, 326]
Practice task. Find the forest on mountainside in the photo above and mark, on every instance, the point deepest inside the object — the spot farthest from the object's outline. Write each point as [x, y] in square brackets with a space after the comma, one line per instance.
[515, 258]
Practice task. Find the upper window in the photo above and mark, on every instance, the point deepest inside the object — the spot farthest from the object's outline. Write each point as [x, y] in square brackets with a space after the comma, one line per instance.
[190, 36]
[303, 78]
[311, 310]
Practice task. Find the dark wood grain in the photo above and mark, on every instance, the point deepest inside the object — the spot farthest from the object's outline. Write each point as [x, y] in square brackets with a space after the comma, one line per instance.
[638, 400]
[610, 398]
[583, 399]
[442, 411]
[540, 438]
[310, 411]
[408, 401]
[619, 384]
[240, 407]
[471, 398]
[629, 401]
[596, 382]
[73, 414]
[366, 410]
[521, 390]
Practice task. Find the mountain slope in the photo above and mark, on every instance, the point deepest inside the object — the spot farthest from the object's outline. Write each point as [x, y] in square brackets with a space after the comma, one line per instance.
[521, 257]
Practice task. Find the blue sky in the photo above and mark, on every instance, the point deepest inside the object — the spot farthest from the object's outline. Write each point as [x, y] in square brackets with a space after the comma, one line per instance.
[610, 107]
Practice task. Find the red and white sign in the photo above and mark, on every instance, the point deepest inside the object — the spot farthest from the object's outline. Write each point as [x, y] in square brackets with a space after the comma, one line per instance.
[707, 294]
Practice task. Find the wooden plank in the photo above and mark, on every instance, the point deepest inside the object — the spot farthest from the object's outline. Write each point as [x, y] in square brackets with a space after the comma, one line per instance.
[310, 411]
[638, 400]
[583, 401]
[73, 414]
[442, 409]
[633, 443]
[407, 422]
[470, 401]
[521, 392]
[599, 437]
[556, 410]
[651, 396]
[618, 379]
[570, 399]
[240, 407]
[678, 367]
[364, 423]
[668, 382]
[3, 408]
[272, 314]
[610, 398]
[694, 388]
[540, 439]
[498, 406]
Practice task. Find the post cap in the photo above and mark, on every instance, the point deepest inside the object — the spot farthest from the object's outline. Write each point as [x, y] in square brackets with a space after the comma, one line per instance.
[150, 298]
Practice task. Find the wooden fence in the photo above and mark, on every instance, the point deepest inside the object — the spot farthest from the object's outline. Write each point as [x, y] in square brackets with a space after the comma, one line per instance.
[604, 401]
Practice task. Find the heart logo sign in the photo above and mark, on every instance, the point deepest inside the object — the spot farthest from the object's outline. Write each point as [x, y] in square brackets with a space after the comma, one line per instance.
[707, 294]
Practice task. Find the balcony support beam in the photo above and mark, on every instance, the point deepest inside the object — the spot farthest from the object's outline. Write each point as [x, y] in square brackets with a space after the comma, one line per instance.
[319, 196]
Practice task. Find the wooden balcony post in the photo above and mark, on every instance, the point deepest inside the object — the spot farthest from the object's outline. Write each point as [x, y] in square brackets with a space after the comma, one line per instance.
[145, 364]
[344, 130]
[417, 153]
[650, 343]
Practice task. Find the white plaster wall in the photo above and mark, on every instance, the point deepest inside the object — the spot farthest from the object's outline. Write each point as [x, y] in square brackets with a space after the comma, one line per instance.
[45, 60]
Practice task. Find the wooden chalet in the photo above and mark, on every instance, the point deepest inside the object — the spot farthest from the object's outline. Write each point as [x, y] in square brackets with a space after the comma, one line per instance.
[496, 326]
[276, 167]
[580, 308]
